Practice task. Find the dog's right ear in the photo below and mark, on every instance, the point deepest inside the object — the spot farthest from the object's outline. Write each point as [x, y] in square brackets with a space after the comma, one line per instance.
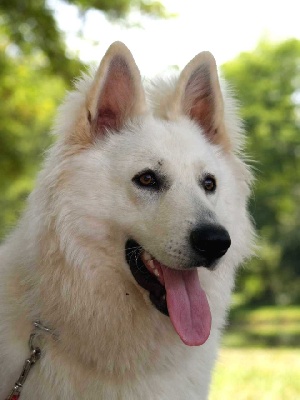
[116, 94]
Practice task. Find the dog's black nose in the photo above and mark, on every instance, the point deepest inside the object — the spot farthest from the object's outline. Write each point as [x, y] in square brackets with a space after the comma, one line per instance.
[210, 242]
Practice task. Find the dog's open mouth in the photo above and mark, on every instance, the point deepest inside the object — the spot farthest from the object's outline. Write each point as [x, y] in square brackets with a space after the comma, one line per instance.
[173, 292]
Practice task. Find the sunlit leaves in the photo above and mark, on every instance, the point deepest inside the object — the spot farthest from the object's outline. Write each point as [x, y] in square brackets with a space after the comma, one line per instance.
[29, 97]
[267, 84]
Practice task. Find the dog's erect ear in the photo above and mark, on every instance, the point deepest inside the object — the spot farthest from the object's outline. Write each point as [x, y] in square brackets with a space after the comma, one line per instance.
[199, 96]
[116, 93]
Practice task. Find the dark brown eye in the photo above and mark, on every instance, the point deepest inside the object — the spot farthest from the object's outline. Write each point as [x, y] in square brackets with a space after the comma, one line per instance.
[209, 183]
[147, 179]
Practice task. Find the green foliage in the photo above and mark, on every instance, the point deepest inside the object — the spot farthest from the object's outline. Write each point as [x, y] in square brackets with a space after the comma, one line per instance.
[32, 28]
[119, 8]
[29, 98]
[263, 327]
[268, 84]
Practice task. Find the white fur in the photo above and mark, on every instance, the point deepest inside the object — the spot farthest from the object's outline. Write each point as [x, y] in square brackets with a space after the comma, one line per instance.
[64, 264]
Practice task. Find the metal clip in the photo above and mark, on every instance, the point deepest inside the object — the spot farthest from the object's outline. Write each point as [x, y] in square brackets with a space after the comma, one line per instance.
[29, 363]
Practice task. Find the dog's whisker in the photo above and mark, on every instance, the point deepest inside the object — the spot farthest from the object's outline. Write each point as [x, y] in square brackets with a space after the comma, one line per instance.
[133, 255]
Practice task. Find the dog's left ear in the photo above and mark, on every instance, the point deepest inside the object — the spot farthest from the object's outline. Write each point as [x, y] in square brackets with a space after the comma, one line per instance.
[116, 94]
[198, 95]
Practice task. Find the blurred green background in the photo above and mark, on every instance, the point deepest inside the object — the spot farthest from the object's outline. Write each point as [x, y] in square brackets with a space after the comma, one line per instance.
[260, 357]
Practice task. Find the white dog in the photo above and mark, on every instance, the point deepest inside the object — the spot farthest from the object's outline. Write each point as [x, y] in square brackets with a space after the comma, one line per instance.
[138, 191]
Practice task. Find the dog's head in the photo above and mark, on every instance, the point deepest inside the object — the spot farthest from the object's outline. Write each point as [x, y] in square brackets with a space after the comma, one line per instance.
[163, 174]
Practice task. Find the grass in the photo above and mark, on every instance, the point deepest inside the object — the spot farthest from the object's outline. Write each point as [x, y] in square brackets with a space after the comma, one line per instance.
[252, 374]
[260, 358]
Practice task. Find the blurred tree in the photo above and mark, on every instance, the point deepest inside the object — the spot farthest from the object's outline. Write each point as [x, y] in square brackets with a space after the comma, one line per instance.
[267, 81]
[29, 97]
[31, 27]
[35, 71]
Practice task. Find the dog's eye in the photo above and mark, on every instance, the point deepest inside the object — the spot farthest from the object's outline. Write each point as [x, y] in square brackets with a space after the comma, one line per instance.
[209, 183]
[146, 179]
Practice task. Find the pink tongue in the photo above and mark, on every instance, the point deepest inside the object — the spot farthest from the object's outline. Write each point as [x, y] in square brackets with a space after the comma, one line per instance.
[188, 306]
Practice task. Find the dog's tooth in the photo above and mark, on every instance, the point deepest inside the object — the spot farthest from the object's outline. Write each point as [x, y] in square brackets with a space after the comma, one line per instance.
[151, 264]
[147, 256]
[156, 273]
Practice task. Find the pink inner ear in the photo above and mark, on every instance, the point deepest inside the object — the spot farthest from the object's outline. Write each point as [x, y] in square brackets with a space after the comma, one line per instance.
[106, 119]
[199, 102]
[116, 98]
